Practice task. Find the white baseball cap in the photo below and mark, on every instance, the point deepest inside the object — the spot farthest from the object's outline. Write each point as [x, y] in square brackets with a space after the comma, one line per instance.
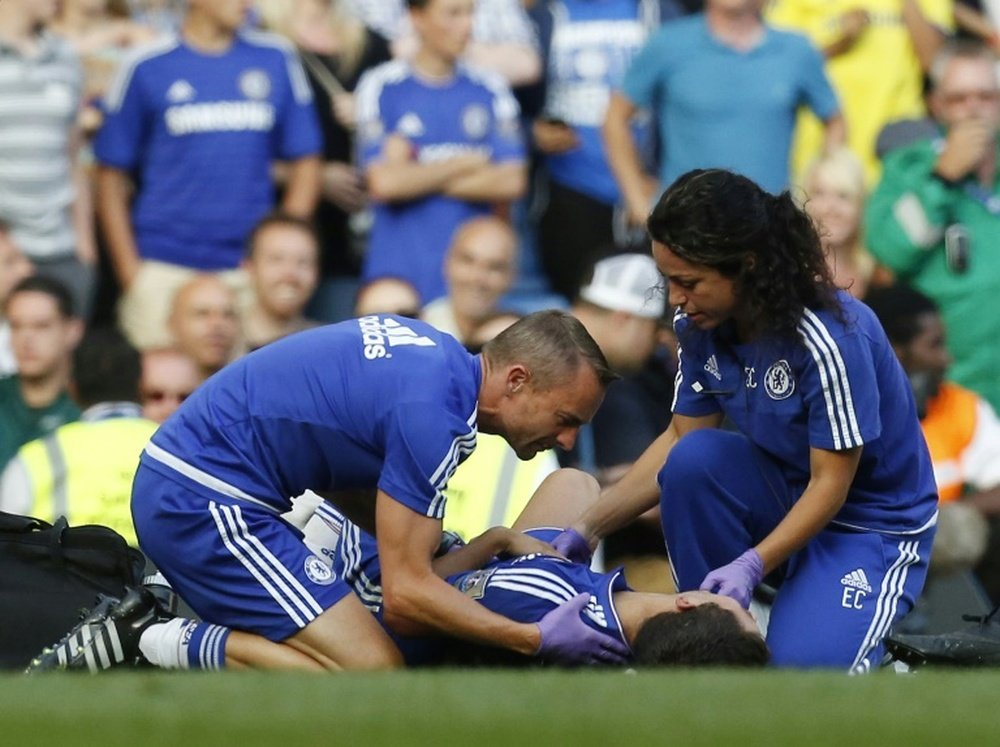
[629, 283]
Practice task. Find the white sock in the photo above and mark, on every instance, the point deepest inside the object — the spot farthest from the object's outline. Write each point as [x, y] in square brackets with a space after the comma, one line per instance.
[185, 644]
[161, 643]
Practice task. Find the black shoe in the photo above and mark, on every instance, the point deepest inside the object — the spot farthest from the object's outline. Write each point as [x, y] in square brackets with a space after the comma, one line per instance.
[108, 636]
[975, 646]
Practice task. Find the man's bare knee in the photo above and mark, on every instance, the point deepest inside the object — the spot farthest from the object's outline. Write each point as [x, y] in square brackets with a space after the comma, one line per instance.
[347, 637]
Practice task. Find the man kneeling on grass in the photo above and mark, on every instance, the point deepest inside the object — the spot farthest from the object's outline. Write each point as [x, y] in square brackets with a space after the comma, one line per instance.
[694, 628]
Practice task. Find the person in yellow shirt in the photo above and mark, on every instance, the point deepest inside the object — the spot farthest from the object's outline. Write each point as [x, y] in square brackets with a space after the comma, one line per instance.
[84, 470]
[877, 52]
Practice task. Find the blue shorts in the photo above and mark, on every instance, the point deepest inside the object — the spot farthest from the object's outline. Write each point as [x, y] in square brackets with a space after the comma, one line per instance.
[235, 563]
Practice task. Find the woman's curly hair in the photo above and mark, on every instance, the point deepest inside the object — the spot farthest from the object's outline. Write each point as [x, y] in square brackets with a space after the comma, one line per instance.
[723, 220]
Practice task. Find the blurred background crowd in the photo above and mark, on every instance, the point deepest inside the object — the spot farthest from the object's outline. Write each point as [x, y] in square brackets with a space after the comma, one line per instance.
[184, 182]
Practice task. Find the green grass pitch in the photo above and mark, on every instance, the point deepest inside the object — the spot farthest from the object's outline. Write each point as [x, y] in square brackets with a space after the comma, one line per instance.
[508, 708]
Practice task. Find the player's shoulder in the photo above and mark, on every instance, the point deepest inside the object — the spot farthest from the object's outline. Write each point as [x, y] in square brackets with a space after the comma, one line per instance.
[267, 42]
[386, 74]
[148, 53]
[849, 325]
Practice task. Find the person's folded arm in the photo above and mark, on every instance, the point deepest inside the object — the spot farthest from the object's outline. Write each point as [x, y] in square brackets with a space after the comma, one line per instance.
[397, 177]
[501, 182]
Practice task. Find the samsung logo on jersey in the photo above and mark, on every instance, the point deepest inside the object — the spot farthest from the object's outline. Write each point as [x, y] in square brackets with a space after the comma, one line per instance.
[378, 335]
[443, 151]
[220, 116]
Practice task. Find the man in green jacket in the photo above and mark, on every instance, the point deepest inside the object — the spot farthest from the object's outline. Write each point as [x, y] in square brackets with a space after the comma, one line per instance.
[934, 218]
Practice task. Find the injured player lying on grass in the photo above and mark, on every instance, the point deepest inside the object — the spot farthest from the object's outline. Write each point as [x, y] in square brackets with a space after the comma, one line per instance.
[687, 629]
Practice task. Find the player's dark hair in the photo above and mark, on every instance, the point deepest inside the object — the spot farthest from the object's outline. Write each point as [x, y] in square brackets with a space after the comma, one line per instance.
[106, 368]
[767, 243]
[417, 4]
[50, 287]
[552, 344]
[706, 636]
[899, 308]
[279, 218]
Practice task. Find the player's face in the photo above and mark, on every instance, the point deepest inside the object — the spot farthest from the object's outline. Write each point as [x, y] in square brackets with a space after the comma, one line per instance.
[445, 26]
[228, 15]
[42, 339]
[539, 419]
[926, 353]
[168, 378]
[480, 269]
[707, 296]
[284, 270]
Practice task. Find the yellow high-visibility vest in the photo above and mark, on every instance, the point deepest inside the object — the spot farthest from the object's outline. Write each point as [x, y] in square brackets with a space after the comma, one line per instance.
[492, 486]
[84, 471]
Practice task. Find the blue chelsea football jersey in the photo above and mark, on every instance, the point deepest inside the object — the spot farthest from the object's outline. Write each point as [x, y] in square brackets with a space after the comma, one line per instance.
[378, 401]
[471, 112]
[200, 132]
[837, 386]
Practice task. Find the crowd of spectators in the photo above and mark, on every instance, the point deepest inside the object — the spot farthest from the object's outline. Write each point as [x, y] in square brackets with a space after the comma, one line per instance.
[193, 180]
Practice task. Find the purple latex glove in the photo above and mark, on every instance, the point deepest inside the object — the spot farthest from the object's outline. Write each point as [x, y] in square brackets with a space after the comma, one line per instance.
[737, 579]
[567, 639]
[571, 545]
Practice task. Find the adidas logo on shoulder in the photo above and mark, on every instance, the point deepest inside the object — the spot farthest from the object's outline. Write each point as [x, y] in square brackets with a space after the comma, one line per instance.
[378, 335]
[857, 579]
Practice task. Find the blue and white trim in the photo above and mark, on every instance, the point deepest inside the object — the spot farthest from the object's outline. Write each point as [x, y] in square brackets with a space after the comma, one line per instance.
[460, 448]
[835, 382]
[352, 557]
[534, 582]
[893, 586]
[201, 477]
[280, 583]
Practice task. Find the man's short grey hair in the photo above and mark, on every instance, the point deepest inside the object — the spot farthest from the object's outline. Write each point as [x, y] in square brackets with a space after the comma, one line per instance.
[965, 49]
[552, 344]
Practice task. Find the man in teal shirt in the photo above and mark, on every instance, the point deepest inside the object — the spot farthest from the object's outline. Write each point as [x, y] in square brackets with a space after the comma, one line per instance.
[44, 333]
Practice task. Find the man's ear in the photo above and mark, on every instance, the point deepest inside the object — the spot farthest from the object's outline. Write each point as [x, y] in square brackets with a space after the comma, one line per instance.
[517, 376]
[686, 603]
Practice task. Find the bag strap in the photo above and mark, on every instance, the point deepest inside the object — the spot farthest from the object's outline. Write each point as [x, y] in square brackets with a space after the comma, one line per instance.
[326, 78]
[18, 524]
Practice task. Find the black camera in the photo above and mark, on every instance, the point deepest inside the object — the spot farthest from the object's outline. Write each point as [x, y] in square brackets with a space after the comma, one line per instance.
[957, 245]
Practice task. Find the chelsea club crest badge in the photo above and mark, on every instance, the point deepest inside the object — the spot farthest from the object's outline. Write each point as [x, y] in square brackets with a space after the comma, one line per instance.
[778, 381]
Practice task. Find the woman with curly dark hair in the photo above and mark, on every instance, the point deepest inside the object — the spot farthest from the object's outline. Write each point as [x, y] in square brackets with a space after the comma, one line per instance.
[823, 483]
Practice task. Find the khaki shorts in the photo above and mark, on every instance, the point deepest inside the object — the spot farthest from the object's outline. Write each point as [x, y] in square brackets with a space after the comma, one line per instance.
[144, 309]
